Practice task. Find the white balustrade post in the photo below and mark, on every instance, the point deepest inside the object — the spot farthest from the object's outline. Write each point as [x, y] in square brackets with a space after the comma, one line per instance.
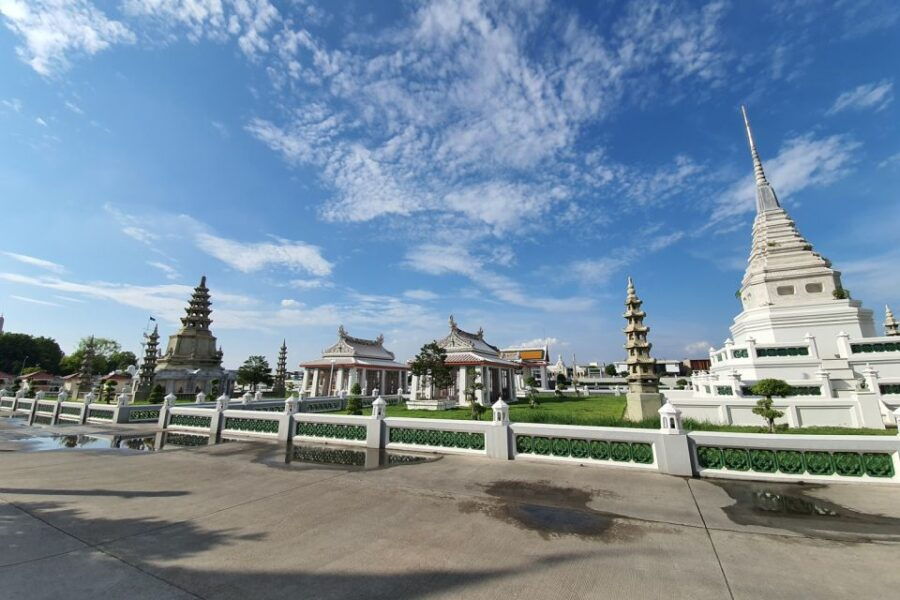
[86, 409]
[497, 438]
[672, 452]
[812, 345]
[247, 397]
[375, 429]
[121, 412]
[286, 422]
[200, 398]
[217, 420]
[897, 419]
[34, 405]
[257, 397]
[827, 389]
[871, 377]
[57, 406]
[167, 405]
[843, 344]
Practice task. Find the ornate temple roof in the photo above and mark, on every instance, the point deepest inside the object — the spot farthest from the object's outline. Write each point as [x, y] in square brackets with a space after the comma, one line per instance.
[470, 348]
[359, 351]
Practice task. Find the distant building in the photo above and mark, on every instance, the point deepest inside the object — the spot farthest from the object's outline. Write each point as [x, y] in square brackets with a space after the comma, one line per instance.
[122, 381]
[42, 381]
[353, 360]
[533, 363]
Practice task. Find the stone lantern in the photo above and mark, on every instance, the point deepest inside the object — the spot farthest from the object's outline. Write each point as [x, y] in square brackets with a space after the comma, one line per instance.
[501, 412]
[379, 407]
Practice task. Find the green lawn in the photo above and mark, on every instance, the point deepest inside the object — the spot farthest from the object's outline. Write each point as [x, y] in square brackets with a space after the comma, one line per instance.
[608, 411]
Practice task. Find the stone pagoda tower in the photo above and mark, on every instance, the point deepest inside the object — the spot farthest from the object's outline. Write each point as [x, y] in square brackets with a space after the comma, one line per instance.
[86, 374]
[192, 362]
[891, 326]
[643, 398]
[148, 365]
[281, 370]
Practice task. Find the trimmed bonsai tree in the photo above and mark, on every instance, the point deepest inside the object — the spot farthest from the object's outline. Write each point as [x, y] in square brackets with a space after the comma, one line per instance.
[156, 394]
[531, 384]
[768, 388]
[430, 363]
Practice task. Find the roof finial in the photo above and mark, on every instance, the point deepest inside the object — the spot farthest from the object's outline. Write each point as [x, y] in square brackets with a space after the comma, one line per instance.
[891, 325]
[452, 322]
[765, 195]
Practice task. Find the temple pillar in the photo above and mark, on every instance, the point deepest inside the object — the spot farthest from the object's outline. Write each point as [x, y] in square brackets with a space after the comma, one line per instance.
[315, 383]
[461, 384]
[339, 384]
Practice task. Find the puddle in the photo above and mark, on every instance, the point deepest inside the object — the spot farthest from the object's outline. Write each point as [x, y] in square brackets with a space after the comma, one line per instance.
[794, 508]
[87, 442]
[353, 458]
[552, 511]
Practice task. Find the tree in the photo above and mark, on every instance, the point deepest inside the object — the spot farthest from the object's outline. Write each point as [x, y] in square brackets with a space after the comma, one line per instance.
[610, 370]
[476, 407]
[531, 384]
[157, 395]
[108, 357]
[254, 371]
[680, 384]
[354, 405]
[18, 350]
[561, 384]
[108, 391]
[768, 388]
[430, 362]
[356, 389]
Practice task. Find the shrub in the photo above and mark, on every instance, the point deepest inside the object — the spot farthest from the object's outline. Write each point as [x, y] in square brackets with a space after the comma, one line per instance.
[354, 405]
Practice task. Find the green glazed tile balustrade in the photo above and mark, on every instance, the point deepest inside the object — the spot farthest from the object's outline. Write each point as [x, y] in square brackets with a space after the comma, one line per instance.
[180, 439]
[144, 415]
[740, 353]
[797, 462]
[251, 425]
[875, 347]
[24, 405]
[43, 420]
[724, 390]
[70, 410]
[638, 452]
[6, 403]
[322, 406]
[797, 351]
[100, 414]
[190, 421]
[464, 440]
[355, 458]
[331, 430]
[890, 388]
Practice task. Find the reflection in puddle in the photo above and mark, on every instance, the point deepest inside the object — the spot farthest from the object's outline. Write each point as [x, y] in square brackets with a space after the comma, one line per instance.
[781, 503]
[89, 442]
[364, 458]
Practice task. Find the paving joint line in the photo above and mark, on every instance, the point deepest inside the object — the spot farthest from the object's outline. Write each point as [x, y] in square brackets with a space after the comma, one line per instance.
[709, 536]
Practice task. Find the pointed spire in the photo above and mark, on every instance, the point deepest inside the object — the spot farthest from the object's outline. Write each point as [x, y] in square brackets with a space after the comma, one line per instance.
[642, 376]
[765, 195]
[891, 325]
[198, 308]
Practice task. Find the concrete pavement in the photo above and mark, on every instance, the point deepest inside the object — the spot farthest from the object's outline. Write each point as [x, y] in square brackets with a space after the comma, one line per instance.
[235, 521]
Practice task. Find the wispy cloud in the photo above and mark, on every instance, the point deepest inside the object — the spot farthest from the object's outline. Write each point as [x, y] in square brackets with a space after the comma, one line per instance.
[52, 30]
[309, 284]
[699, 348]
[421, 295]
[803, 162]
[13, 104]
[168, 270]
[132, 226]
[34, 300]
[538, 342]
[875, 96]
[36, 262]
[250, 257]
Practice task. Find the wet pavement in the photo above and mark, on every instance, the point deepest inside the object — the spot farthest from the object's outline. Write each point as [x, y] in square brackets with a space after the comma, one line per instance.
[88, 511]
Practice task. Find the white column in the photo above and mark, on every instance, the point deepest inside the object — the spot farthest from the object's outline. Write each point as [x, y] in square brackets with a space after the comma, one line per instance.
[461, 384]
[843, 344]
[811, 343]
[414, 388]
[479, 394]
[315, 383]
[340, 379]
[383, 385]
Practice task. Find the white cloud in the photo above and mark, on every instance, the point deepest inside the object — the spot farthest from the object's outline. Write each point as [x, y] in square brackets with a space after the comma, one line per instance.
[803, 162]
[289, 303]
[132, 226]
[420, 295]
[600, 270]
[52, 30]
[869, 279]
[443, 259]
[36, 262]
[876, 96]
[250, 257]
[34, 301]
[539, 342]
[13, 104]
[40, 121]
[168, 270]
[309, 284]
[74, 108]
[700, 348]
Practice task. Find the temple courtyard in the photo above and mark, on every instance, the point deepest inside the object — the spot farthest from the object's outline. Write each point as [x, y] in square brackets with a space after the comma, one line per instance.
[237, 521]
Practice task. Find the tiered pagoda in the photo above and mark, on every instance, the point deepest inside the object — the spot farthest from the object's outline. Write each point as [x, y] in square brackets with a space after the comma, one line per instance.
[192, 362]
[891, 326]
[281, 370]
[643, 399]
[148, 365]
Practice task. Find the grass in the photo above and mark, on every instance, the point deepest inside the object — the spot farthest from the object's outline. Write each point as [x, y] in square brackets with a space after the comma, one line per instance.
[608, 411]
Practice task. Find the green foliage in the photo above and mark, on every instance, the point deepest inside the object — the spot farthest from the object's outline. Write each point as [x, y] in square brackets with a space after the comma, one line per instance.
[531, 384]
[31, 393]
[430, 362]
[354, 405]
[254, 371]
[356, 389]
[610, 370]
[841, 294]
[476, 409]
[214, 389]
[108, 391]
[157, 394]
[20, 349]
[768, 388]
[108, 357]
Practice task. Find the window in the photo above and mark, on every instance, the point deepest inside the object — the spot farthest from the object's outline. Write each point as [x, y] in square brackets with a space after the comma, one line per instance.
[785, 290]
[814, 288]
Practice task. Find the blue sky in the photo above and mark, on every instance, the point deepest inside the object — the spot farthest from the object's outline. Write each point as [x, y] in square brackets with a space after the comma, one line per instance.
[383, 165]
